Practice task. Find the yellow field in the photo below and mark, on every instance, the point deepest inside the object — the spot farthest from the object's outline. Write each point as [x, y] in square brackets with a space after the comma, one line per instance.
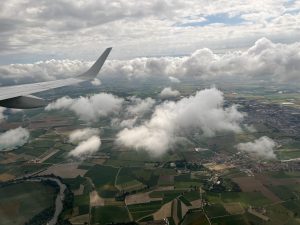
[6, 176]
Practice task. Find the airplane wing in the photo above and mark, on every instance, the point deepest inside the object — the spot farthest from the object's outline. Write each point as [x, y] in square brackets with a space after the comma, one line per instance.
[19, 96]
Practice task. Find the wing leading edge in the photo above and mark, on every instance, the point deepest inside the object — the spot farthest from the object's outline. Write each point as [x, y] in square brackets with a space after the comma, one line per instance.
[19, 96]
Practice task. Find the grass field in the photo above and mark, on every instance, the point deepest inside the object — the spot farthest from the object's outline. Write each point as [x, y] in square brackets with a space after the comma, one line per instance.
[137, 176]
[74, 183]
[109, 214]
[216, 210]
[107, 191]
[82, 202]
[246, 199]
[26, 169]
[192, 195]
[283, 192]
[102, 175]
[166, 195]
[231, 220]
[132, 185]
[140, 210]
[20, 202]
[283, 174]
[57, 157]
[185, 201]
[185, 181]
[284, 154]
[196, 218]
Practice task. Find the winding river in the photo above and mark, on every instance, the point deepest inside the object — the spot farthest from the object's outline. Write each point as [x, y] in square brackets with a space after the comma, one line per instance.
[59, 199]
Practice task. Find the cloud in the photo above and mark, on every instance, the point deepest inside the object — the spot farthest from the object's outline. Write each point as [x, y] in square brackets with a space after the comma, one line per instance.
[139, 106]
[83, 134]
[96, 82]
[41, 71]
[47, 28]
[135, 109]
[13, 138]
[169, 92]
[86, 148]
[262, 147]
[264, 60]
[89, 108]
[174, 79]
[203, 112]
[129, 123]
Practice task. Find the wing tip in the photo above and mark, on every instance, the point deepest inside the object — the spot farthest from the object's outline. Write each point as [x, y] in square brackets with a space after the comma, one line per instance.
[96, 67]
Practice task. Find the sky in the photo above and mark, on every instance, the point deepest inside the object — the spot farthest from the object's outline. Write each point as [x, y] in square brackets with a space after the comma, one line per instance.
[44, 40]
[39, 30]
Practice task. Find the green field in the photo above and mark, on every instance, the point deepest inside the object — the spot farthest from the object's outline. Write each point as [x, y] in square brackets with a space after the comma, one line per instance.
[107, 191]
[246, 199]
[109, 214]
[215, 210]
[192, 195]
[284, 154]
[166, 195]
[26, 169]
[141, 210]
[137, 177]
[185, 201]
[230, 220]
[74, 183]
[195, 218]
[102, 175]
[20, 202]
[82, 202]
[185, 181]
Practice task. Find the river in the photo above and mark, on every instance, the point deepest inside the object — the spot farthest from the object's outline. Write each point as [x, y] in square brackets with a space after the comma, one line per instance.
[59, 199]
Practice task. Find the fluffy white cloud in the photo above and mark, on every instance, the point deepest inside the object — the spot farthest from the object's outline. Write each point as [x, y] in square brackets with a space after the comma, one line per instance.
[169, 92]
[86, 148]
[83, 134]
[13, 138]
[135, 109]
[41, 71]
[174, 79]
[203, 112]
[89, 108]
[96, 82]
[262, 147]
[264, 60]
[139, 106]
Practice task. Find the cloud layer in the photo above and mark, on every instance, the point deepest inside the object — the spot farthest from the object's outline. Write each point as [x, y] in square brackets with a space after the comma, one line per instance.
[203, 112]
[262, 147]
[13, 138]
[43, 28]
[264, 60]
[89, 108]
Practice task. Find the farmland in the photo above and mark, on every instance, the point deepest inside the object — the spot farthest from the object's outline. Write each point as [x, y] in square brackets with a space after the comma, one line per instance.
[198, 180]
[20, 202]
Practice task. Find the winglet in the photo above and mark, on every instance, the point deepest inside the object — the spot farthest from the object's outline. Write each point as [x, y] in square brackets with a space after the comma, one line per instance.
[94, 70]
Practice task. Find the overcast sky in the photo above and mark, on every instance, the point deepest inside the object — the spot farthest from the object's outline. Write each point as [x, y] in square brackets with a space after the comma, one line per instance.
[33, 30]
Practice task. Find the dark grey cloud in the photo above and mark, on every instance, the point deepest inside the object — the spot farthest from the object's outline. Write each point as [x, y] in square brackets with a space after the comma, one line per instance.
[138, 28]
